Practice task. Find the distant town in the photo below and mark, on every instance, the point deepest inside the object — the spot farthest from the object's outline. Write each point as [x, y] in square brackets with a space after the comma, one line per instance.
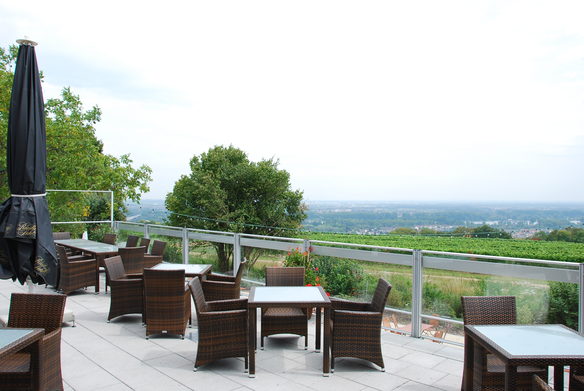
[521, 220]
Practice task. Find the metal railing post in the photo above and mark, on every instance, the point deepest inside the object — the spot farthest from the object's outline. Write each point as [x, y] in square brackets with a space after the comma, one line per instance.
[306, 246]
[417, 282]
[581, 301]
[147, 231]
[185, 244]
[236, 253]
[112, 208]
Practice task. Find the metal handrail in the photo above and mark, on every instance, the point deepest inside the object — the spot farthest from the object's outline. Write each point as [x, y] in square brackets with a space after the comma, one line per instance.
[415, 259]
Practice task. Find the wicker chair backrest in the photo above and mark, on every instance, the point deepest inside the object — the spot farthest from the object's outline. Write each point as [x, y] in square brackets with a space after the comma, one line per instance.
[198, 295]
[380, 296]
[285, 276]
[132, 241]
[61, 235]
[158, 247]
[114, 267]
[31, 310]
[109, 238]
[161, 284]
[145, 243]
[62, 254]
[239, 274]
[539, 385]
[133, 259]
[478, 310]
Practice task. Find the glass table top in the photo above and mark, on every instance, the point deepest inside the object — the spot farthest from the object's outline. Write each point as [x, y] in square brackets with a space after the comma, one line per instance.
[537, 340]
[301, 294]
[190, 268]
[8, 336]
[89, 245]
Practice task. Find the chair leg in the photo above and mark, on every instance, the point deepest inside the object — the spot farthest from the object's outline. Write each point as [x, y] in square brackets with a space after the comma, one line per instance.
[306, 342]
[261, 342]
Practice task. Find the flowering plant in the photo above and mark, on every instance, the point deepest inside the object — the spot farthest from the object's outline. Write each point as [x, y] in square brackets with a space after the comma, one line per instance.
[312, 276]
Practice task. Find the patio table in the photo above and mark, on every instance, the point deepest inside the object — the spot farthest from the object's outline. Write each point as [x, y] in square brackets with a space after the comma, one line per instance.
[12, 340]
[290, 296]
[518, 345]
[98, 250]
[191, 270]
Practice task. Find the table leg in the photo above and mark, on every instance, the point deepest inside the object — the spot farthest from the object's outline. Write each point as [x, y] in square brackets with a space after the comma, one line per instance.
[559, 377]
[510, 377]
[467, 371]
[98, 262]
[317, 331]
[252, 339]
[326, 365]
[35, 365]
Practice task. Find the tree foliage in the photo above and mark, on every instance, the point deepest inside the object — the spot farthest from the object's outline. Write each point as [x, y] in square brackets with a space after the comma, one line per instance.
[225, 191]
[75, 158]
[568, 234]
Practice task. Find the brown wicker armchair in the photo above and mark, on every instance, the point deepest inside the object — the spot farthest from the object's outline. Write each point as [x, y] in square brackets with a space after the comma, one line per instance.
[356, 327]
[489, 371]
[35, 311]
[144, 242]
[167, 302]
[61, 235]
[284, 320]
[537, 384]
[127, 292]
[109, 239]
[75, 274]
[576, 378]
[222, 327]
[64, 236]
[133, 259]
[132, 241]
[218, 287]
[156, 254]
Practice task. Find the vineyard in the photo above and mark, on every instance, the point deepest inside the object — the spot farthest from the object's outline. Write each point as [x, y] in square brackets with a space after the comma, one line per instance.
[557, 251]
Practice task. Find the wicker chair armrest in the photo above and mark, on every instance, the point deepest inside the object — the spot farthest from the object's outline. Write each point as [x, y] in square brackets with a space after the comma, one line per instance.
[134, 276]
[226, 305]
[218, 278]
[362, 317]
[216, 284]
[49, 346]
[341, 304]
[127, 281]
[80, 263]
[221, 316]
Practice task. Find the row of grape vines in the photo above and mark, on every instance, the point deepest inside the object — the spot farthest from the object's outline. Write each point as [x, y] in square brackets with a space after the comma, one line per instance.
[557, 251]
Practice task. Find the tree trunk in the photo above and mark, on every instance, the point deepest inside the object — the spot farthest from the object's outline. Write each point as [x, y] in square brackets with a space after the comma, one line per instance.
[223, 255]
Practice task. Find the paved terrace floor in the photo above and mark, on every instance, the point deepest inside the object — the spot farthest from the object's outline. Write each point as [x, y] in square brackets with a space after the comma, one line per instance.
[115, 356]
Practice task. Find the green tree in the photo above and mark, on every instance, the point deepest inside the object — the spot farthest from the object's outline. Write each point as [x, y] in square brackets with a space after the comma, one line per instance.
[225, 191]
[75, 158]
[568, 234]
[404, 231]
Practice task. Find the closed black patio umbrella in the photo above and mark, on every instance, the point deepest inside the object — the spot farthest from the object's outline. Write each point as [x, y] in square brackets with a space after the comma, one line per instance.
[26, 239]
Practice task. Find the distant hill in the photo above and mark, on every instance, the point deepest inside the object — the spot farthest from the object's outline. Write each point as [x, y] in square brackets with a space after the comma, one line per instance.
[360, 217]
[152, 211]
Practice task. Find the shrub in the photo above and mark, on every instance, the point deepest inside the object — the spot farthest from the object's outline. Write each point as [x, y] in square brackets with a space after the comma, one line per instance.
[563, 306]
[341, 276]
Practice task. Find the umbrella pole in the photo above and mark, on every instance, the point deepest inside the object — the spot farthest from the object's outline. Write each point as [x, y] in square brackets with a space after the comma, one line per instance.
[30, 285]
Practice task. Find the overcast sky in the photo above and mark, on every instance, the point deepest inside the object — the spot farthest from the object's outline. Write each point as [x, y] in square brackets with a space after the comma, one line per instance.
[359, 100]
